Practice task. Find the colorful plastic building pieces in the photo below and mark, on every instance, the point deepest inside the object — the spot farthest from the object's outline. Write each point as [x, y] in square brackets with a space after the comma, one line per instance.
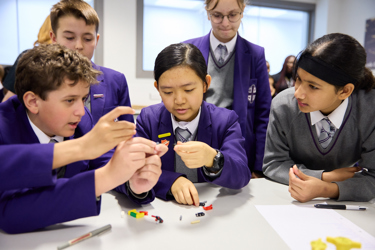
[200, 214]
[140, 215]
[144, 212]
[134, 211]
[208, 207]
[157, 218]
[318, 245]
[195, 222]
[135, 214]
[343, 243]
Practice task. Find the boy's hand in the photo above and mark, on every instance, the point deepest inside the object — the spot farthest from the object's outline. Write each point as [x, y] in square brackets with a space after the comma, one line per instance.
[129, 156]
[340, 174]
[147, 176]
[305, 188]
[108, 133]
[195, 154]
[185, 192]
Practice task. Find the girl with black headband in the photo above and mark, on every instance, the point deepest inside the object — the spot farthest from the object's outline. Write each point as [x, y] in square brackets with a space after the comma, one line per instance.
[320, 129]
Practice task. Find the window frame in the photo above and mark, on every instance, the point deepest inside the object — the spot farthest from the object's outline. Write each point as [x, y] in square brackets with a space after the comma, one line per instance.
[306, 7]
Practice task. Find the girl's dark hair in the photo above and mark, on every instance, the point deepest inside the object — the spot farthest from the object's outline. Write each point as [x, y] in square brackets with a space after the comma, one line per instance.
[180, 54]
[344, 53]
[281, 84]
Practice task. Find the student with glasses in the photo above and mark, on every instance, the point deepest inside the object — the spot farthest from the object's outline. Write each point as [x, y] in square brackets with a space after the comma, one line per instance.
[239, 75]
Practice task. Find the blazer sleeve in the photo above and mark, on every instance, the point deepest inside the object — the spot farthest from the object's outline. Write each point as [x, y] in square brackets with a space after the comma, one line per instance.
[30, 209]
[262, 111]
[235, 173]
[18, 171]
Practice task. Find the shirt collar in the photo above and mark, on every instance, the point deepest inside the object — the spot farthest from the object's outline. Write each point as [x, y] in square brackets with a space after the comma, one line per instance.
[191, 126]
[336, 117]
[42, 137]
[215, 42]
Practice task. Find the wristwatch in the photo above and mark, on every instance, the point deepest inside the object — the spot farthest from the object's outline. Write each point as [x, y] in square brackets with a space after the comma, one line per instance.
[218, 163]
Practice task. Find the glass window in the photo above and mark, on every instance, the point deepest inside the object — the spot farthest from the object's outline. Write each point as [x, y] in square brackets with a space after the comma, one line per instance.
[170, 21]
[281, 32]
[21, 21]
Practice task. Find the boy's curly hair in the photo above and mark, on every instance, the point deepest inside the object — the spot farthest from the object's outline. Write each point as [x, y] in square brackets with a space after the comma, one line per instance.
[45, 67]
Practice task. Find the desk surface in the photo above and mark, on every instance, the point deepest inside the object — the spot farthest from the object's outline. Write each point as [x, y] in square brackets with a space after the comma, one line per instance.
[234, 223]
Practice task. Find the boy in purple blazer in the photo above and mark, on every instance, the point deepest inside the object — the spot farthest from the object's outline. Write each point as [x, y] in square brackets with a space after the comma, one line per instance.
[75, 25]
[43, 182]
[210, 146]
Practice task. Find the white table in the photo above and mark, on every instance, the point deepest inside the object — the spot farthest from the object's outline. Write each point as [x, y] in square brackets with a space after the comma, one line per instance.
[234, 223]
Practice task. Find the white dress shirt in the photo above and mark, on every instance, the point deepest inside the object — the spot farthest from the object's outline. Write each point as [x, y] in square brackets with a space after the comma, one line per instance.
[336, 117]
[215, 43]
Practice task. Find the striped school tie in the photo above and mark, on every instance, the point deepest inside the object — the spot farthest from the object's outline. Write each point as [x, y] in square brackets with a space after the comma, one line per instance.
[327, 132]
[223, 52]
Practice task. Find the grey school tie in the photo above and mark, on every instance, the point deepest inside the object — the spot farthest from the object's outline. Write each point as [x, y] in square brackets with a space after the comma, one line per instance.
[184, 135]
[327, 132]
[60, 171]
[223, 52]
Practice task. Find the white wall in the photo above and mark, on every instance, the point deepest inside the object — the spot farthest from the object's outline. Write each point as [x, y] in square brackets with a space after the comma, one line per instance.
[345, 16]
[120, 48]
[351, 17]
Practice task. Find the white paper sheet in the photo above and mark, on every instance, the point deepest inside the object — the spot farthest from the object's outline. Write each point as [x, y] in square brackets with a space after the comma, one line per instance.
[299, 225]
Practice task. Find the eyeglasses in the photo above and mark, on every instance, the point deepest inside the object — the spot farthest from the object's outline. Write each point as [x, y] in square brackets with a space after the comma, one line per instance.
[232, 17]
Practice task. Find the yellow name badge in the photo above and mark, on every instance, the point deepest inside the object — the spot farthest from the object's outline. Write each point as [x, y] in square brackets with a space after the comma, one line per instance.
[164, 135]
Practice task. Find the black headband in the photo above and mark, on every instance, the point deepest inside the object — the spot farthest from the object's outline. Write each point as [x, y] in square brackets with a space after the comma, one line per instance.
[324, 71]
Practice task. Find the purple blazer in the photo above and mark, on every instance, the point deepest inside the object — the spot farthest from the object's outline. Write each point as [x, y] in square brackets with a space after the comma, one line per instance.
[112, 91]
[218, 127]
[251, 94]
[30, 195]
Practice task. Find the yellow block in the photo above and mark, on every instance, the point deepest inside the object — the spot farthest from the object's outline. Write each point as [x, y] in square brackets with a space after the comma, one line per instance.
[134, 211]
[164, 135]
[140, 215]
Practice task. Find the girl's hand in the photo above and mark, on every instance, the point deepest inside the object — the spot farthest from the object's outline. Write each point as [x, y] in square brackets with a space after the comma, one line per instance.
[305, 188]
[185, 192]
[340, 174]
[195, 154]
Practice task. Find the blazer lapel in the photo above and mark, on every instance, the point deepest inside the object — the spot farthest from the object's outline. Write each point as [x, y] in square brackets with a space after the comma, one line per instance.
[98, 95]
[241, 80]
[165, 126]
[204, 46]
[204, 133]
